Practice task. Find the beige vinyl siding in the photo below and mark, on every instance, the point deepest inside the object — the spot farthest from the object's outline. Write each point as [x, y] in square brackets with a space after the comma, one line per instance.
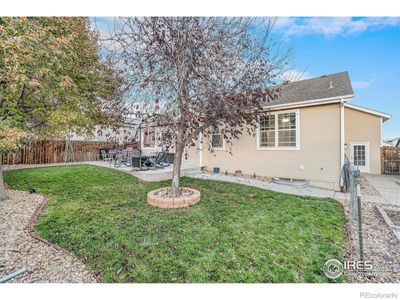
[364, 127]
[192, 158]
[317, 160]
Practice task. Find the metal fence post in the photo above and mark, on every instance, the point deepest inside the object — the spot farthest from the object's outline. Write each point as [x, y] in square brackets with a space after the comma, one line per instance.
[360, 239]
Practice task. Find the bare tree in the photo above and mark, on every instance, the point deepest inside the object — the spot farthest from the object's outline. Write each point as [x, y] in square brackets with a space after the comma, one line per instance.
[189, 74]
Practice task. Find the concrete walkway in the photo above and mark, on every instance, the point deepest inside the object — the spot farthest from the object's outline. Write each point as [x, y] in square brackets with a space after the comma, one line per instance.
[385, 189]
[308, 191]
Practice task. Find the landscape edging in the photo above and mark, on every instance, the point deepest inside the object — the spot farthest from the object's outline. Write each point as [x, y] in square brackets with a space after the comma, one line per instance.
[30, 227]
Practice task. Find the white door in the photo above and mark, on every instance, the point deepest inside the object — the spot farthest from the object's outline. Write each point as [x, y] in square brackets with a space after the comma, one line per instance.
[359, 156]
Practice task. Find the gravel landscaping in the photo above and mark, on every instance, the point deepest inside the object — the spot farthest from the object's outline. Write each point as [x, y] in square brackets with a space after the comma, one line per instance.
[394, 215]
[18, 249]
[381, 247]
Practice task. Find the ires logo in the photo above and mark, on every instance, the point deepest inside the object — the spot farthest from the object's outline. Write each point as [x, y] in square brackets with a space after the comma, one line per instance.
[333, 268]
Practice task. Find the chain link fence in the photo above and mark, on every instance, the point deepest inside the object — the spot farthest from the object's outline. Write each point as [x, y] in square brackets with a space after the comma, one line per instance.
[351, 184]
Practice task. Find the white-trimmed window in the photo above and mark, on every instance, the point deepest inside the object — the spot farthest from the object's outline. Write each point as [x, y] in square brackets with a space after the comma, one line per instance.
[279, 131]
[267, 131]
[217, 139]
[287, 129]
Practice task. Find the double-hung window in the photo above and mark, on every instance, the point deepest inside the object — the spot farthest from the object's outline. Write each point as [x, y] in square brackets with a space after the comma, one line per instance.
[287, 130]
[267, 131]
[217, 139]
[278, 131]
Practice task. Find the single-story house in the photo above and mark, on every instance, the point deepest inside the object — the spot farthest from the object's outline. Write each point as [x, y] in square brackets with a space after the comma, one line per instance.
[310, 130]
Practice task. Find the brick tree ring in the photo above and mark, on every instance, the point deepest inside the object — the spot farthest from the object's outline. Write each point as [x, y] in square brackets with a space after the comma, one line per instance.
[160, 198]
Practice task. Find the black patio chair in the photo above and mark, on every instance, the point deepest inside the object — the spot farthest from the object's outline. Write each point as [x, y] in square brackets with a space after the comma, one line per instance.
[104, 155]
[159, 161]
[111, 155]
[124, 157]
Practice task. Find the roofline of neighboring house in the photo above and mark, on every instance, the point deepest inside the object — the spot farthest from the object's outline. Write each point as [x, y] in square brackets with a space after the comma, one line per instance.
[312, 102]
[383, 115]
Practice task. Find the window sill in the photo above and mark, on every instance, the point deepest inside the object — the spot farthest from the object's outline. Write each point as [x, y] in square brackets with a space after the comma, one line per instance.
[278, 148]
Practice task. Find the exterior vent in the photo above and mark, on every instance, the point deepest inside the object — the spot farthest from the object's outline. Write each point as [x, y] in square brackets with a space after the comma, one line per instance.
[330, 85]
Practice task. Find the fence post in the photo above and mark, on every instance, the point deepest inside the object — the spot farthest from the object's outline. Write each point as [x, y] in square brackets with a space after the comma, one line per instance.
[360, 236]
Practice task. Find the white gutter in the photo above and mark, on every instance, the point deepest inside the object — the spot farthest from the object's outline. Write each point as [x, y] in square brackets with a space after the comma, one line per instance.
[310, 102]
[369, 111]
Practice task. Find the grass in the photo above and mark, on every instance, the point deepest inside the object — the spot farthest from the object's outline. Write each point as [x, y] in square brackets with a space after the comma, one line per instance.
[235, 233]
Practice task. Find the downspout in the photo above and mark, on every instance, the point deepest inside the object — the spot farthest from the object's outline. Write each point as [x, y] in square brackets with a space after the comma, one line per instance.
[342, 150]
[200, 149]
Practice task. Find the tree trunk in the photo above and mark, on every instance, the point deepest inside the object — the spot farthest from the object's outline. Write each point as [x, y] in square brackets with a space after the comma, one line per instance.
[3, 194]
[179, 146]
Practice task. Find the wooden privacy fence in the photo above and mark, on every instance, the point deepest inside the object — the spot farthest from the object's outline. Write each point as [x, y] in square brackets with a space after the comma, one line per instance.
[46, 152]
[390, 160]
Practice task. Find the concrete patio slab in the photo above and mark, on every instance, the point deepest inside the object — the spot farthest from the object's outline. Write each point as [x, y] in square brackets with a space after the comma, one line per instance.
[387, 187]
[150, 175]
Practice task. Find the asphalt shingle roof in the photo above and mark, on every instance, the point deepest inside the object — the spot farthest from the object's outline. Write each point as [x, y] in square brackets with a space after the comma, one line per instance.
[326, 86]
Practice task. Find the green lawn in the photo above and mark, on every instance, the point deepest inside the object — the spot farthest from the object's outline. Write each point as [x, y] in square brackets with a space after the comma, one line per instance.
[235, 233]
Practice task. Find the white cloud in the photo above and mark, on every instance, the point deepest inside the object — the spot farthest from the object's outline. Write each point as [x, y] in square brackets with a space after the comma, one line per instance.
[284, 22]
[361, 84]
[333, 26]
[294, 75]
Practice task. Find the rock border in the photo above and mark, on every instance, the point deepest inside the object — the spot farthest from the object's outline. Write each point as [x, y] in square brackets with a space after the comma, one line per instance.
[394, 228]
[30, 227]
[157, 201]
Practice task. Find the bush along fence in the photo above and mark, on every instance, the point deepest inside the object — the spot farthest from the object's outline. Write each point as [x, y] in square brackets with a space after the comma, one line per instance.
[46, 152]
[390, 160]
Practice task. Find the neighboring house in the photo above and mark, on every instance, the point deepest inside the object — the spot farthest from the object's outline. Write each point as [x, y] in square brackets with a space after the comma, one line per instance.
[392, 142]
[387, 143]
[307, 135]
[105, 134]
[148, 138]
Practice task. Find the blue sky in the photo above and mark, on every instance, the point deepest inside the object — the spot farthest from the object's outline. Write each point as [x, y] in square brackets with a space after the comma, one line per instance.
[368, 48]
